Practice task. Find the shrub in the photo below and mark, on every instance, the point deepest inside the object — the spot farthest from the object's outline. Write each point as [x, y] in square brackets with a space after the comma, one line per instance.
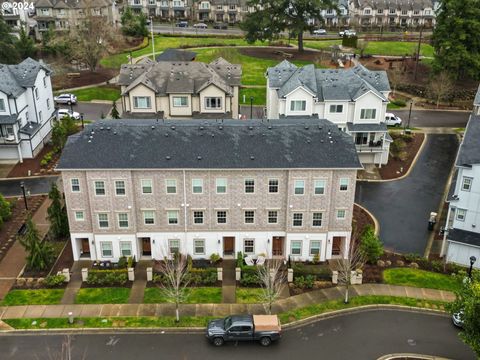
[304, 282]
[122, 262]
[370, 245]
[5, 209]
[250, 279]
[107, 277]
[412, 257]
[54, 280]
[316, 258]
[199, 277]
[318, 272]
[214, 258]
[240, 259]
[131, 261]
[189, 262]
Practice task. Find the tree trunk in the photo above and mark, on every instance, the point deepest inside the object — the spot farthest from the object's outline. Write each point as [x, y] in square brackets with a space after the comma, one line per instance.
[300, 41]
[177, 313]
[346, 294]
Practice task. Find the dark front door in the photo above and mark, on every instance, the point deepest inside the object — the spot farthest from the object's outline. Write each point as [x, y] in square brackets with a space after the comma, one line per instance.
[85, 247]
[336, 246]
[277, 245]
[146, 247]
[228, 245]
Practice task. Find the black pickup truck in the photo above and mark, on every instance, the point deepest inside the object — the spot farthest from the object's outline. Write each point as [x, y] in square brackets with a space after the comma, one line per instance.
[262, 328]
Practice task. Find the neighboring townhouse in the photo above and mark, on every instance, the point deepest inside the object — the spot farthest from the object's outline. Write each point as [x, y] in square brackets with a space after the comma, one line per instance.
[148, 188]
[354, 99]
[224, 11]
[66, 14]
[26, 110]
[462, 230]
[170, 89]
[163, 9]
[393, 13]
[14, 17]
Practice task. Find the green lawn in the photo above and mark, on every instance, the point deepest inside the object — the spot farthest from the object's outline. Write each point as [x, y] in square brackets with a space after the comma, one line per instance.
[198, 295]
[420, 278]
[102, 296]
[110, 93]
[248, 295]
[164, 42]
[33, 297]
[259, 95]
[387, 48]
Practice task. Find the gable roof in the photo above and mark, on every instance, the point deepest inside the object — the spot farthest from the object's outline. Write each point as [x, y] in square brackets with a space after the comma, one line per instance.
[199, 144]
[476, 101]
[469, 151]
[394, 4]
[168, 77]
[14, 79]
[328, 84]
[464, 236]
[72, 4]
[176, 55]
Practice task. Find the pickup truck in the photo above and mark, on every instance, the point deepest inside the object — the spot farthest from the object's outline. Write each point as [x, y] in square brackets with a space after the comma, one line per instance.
[262, 328]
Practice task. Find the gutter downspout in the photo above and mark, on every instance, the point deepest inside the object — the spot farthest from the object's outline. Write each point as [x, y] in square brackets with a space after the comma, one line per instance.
[185, 206]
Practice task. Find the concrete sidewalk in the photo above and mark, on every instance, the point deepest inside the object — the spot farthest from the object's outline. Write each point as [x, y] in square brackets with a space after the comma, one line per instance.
[291, 303]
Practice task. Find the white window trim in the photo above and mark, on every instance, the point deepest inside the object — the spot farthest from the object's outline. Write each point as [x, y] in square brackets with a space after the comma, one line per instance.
[101, 249]
[253, 251]
[195, 247]
[179, 97]
[295, 101]
[98, 221]
[293, 219]
[177, 217]
[340, 218]
[170, 245]
[143, 216]
[124, 187]
[120, 247]
[268, 218]
[193, 186]
[245, 186]
[226, 217]
[301, 247]
[71, 186]
[216, 186]
[319, 247]
[464, 211]
[340, 184]
[95, 187]
[203, 217]
[81, 212]
[278, 185]
[151, 186]
[244, 217]
[302, 187]
[118, 220]
[324, 187]
[469, 186]
[149, 102]
[166, 186]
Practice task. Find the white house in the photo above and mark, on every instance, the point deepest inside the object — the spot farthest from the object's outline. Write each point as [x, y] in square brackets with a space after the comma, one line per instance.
[354, 99]
[462, 235]
[26, 109]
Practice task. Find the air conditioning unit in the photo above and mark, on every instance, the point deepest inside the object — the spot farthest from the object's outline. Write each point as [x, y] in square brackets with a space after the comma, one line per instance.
[10, 138]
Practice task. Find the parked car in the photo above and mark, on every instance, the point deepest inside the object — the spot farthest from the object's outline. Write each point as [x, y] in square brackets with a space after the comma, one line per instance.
[61, 113]
[262, 328]
[320, 32]
[200, 26]
[347, 33]
[457, 319]
[220, 26]
[65, 99]
[183, 24]
[392, 120]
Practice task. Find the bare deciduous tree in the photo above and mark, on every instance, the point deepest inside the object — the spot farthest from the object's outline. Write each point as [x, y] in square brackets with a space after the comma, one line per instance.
[351, 261]
[362, 46]
[440, 86]
[175, 279]
[272, 279]
[395, 75]
[65, 353]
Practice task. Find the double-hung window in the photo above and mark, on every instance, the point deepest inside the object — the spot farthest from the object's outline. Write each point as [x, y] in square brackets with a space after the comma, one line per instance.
[221, 185]
[103, 221]
[317, 218]
[296, 247]
[126, 248]
[298, 105]
[79, 216]
[249, 217]
[368, 114]
[341, 214]
[467, 183]
[299, 187]
[174, 246]
[99, 188]
[319, 187]
[198, 246]
[297, 219]
[142, 102]
[171, 186]
[221, 217]
[273, 186]
[123, 220]
[119, 187]
[249, 186]
[147, 186]
[314, 247]
[172, 216]
[197, 186]
[249, 246]
[198, 217]
[460, 214]
[272, 216]
[75, 185]
[344, 184]
[149, 217]
[106, 248]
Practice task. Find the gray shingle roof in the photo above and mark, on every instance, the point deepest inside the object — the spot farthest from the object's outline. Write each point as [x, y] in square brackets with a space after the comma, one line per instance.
[169, 76]
[394, 4]
[469, 152]
[463, 236]
[476, 101]
[15, 78]
[193, 144]
[366, 127]
[73, 4]
[328, 84]
[8, 119]
[176, 55]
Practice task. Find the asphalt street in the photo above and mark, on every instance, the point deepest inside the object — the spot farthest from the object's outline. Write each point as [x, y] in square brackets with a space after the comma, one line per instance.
[36, 185]
[430, 118]
[365, 335]
[403, 206]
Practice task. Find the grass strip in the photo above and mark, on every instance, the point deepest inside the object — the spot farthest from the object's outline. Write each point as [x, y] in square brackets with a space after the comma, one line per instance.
[33, 297]
[102, 296]
[420, 278]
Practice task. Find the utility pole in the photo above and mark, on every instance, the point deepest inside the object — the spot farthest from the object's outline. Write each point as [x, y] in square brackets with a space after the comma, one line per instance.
[418, 53]
[153, 41]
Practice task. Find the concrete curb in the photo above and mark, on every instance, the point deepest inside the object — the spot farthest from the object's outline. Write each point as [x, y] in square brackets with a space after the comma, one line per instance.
[375, 221]
[29, 177]
[410, 355]
[409, 169]
[199, 330]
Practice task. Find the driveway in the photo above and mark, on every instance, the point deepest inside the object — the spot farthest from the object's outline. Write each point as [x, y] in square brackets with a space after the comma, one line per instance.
[403, 206]
[433, 118]
[360, 336]
[36, 185]
[92, 111]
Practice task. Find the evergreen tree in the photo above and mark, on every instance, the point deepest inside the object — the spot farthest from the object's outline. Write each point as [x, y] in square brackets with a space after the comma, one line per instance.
[57, 215]
[8, 51]
[114, 113]
[25, 45]
[133, 24]
[39, 253]
[370, 245]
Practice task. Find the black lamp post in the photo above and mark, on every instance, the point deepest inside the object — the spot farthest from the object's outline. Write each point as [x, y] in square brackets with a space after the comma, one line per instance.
[251, 107]
[81, 118]
[472, 261]
[22, 185]
[410, 114]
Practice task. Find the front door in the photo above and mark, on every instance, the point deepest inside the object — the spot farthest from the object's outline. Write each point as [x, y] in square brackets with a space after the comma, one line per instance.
[336, 245]
[228, 246]
[85, 247]
[277, 246]
[146, 246]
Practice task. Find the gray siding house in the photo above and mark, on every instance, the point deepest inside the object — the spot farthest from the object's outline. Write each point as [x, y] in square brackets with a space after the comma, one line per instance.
[146, 188]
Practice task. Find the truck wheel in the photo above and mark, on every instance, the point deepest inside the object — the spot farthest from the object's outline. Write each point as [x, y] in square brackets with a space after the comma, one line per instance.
[218, 341]
[265, 341]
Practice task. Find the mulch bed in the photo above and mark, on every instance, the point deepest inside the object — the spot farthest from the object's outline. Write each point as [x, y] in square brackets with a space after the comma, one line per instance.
[392, 169]
[9, 230]
[61, 81]
[127, 285]
[361, 217]
[21, 169]
[65, 260]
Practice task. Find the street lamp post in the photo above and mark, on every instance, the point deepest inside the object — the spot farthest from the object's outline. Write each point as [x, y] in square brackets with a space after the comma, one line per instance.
[472, 261]
[410, 114]
[22, 185]
[251, 107]
[81, 118]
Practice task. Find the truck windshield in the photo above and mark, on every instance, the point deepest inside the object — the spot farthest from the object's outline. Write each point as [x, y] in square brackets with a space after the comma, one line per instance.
[227, 323]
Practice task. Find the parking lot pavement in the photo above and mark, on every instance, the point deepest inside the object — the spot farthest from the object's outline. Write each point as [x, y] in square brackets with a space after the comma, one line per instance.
[91, 111]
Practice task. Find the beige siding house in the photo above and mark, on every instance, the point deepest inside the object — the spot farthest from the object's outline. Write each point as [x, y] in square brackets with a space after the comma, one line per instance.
[173, 89]
[283, 189]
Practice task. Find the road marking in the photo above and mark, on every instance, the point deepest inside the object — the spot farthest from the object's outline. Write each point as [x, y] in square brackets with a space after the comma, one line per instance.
[113, 341]
[411, 342]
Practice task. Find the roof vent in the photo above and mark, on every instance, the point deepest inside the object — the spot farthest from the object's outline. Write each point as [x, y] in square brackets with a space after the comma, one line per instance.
[92, 132]
[252, 157]
[306, 127]
[89, 141]
[199, 158]
[153, 127]
[114, 133]
[173, 127]
[166, 134]
[108, 127]
[331, 141]
[250, 128]
[201, 128]
[309, 141]
[269, 127]
[213, 135]
[167, 157]
[220, 127]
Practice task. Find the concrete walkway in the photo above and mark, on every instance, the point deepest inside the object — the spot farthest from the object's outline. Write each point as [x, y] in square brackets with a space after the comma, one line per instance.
[75, 282]
[138, 287]
[291, 303]
[229, 285]
[14, 261]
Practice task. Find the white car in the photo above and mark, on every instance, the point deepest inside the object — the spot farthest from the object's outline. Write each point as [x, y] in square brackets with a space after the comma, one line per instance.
[200, 26]
[392, 120]
[65, 99]
[61, 113]
[320, 32]
[457, 319]
[347, 33]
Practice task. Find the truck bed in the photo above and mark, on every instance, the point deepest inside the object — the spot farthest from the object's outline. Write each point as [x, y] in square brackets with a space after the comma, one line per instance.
[266, 323]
